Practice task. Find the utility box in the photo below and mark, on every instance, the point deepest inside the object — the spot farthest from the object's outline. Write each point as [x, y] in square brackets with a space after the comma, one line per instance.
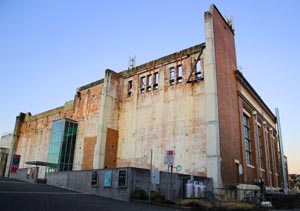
[189, 189]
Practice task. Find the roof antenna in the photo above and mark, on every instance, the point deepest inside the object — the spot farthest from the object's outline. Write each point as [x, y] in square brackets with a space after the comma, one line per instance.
[131, 62]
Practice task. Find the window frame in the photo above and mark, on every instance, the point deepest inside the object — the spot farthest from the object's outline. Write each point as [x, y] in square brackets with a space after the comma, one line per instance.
[179, 74]
[172, 76]
[198, 72]
[129, 88]
[142, 84]
[247, 139]
[261, 158]
[149, 83]
[155, 81]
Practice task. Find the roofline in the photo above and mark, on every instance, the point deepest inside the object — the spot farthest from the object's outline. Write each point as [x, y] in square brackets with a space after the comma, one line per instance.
[163, 60]
[159, 61]
[253, 93]
[89, 85]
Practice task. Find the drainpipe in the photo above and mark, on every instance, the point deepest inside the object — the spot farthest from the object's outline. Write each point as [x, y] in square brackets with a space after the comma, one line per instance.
[279, 137]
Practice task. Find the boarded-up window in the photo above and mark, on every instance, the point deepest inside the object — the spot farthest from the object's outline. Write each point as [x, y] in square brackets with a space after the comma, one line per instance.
[111, 148]
[88, 152]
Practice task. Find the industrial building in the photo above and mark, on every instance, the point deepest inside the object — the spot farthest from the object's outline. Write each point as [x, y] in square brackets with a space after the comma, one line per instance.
[194, 102]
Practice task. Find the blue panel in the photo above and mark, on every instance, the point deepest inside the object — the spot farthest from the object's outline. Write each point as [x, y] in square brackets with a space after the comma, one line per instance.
[62, 143]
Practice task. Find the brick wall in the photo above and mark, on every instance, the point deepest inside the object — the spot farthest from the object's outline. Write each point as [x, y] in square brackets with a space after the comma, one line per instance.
[229, 119]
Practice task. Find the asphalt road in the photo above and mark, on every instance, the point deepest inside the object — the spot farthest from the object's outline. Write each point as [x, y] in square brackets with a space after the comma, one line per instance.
[19, 195]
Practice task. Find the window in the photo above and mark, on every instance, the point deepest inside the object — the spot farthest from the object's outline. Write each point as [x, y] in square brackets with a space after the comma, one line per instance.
[247, 139]
[155, 85]
[198, 71]
[179, 74]
[261, 162]
[62, 144]
[267, 148]
[172, 76]
[129, 88]
[273, 153]
[143, 84]
[149, 83]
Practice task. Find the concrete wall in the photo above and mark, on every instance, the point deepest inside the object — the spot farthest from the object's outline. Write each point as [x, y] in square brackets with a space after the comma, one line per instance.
[6, 142]
[86, 112]
[108, 123]
[136, 178]
[26, 174]
[170, 117]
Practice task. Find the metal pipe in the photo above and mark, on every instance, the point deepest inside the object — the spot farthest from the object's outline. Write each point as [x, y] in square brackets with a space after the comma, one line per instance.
[279, 137]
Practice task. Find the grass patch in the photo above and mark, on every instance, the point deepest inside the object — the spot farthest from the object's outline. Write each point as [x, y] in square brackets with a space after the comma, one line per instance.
[207, 205]
[196, 203]
[236, 205]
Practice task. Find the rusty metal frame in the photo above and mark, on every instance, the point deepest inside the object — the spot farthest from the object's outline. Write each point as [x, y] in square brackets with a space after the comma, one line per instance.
[194, 67]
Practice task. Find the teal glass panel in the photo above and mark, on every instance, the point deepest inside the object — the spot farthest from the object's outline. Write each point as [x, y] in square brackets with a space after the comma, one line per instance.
[62, 143]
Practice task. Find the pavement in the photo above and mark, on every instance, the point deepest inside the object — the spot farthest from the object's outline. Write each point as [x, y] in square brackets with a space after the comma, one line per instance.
[20, 195]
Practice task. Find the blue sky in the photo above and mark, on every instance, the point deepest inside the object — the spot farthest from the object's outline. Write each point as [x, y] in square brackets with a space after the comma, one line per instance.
[49, 48]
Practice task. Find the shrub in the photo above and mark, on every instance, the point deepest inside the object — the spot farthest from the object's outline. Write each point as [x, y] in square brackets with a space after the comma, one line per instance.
[196, 203]
[139, 194]
[157, 197]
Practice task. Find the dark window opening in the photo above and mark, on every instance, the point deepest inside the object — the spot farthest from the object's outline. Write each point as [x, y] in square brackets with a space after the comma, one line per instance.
[149, 83]
[172, 76]
[155, 85]
[129, 88]
[198, 72]
[143, 84]
[179, 74]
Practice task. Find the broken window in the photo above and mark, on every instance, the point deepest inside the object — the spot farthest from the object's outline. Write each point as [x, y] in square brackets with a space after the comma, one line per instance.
[149, 83]
[198, 72]
[155, 85]
[179, 74]
[129, 88]
[143, 84]
[172, 76]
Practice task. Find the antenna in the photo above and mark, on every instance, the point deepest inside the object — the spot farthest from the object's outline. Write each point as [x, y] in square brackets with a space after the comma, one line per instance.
[131, 62]
[230, 22]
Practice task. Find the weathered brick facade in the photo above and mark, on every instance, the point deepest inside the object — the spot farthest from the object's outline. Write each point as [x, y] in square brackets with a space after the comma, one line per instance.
[168, 104]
